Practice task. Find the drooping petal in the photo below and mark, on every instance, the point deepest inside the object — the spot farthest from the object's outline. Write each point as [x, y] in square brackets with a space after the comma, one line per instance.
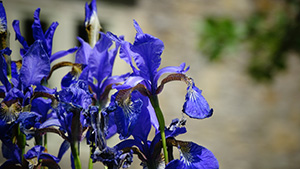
[170, 69]
[126, 116]
[50, 122]
[143, 124]
[41, 106]
[194, 156]
[195, 105]
[35, 65]
[175, 164]
[63, 148]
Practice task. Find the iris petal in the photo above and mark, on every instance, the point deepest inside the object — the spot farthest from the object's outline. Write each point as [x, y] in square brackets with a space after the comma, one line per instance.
[197, 157]
[195, 104]
[148, 50]
[126, 116]
[35, 65]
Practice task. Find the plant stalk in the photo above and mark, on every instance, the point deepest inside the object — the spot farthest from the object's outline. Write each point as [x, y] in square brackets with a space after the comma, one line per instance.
[161, 121]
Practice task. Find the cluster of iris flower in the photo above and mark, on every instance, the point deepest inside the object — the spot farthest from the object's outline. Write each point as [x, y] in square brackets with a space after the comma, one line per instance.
[92, 104]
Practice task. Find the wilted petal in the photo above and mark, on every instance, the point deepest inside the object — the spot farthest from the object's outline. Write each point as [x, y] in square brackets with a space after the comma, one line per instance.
[196, 156]
[35, 65]
[195, 104]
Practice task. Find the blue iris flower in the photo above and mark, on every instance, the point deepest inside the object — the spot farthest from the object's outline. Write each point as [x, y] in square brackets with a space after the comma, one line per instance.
[146, 52]
[46, 38]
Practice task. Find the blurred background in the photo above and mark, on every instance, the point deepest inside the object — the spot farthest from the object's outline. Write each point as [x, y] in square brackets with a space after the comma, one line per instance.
[243, 54]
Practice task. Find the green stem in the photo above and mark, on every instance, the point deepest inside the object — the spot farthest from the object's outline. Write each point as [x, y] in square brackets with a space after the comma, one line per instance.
[161, 121]
[21, 140]
[90, 159]
[75, 154]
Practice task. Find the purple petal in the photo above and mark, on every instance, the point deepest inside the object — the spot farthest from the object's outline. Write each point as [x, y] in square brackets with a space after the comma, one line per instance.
[62, 53]
[130, 82]
[148, 50]
[3, 70]
[37, 30]
[49, 37]
[83, 52]
[63, 148]
[170, 69]
[41, 106]
[195, 105]
[144, 121]
[175, 164]
[35, 65]
[90, 9]
[20, 38]
[3, 21]
[49, 123]
[196, 156]
[101, 60]
[126, 116]
[137, 27]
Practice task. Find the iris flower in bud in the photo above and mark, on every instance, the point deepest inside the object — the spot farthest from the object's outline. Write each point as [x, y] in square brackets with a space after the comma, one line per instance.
[92, 23]
[38, 34]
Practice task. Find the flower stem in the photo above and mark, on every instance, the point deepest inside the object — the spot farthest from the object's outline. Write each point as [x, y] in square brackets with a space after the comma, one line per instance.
[161, 121]
[21, 140]
[90, 159]
[75, 154]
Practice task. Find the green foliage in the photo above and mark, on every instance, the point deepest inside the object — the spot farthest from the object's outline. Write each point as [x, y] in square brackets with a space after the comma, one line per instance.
[270, 35]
